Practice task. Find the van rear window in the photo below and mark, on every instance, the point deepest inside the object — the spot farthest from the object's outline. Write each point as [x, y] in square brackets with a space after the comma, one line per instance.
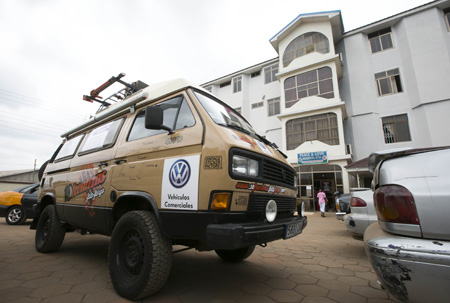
[102, 137]
[69, 148]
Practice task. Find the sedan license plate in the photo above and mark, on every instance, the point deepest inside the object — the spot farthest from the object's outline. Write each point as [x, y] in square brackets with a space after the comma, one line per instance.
[292, 230]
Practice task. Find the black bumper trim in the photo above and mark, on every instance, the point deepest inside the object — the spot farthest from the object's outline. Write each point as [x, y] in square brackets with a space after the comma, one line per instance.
[3, 210]
[233, 236]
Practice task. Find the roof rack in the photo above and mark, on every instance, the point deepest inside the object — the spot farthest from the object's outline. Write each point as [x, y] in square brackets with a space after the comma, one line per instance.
[123, 93]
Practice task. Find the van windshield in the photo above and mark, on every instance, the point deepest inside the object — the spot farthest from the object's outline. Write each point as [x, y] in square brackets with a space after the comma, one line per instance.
[224, 115]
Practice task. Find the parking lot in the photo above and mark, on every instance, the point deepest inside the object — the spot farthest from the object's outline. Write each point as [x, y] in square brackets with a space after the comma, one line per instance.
[324, 264]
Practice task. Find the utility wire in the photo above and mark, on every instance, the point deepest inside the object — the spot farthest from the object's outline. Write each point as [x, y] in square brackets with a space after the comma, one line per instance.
[35, 100]
[19, 121]
[33, 130]
[70, 112]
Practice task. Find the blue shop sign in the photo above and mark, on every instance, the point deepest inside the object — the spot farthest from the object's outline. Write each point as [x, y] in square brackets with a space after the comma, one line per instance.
[319, 157]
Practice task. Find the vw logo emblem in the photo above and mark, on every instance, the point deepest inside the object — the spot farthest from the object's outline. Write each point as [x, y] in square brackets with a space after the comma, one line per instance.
[179, 173]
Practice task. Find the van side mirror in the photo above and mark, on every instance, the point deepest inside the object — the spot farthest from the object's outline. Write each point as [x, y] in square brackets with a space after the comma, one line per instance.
[154, 119]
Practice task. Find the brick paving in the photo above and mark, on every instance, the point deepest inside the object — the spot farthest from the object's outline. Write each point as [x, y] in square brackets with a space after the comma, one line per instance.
[324, 264]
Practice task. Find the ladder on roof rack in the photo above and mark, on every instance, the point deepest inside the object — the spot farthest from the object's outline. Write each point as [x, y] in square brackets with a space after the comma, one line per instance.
[123, 93]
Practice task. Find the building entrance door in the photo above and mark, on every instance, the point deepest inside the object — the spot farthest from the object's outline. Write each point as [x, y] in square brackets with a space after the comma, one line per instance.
[313, 177]
[326, 182]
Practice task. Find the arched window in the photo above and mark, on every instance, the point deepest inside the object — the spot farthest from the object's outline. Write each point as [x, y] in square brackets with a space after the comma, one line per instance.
[305, 44]
[321, 127]
[318, 82]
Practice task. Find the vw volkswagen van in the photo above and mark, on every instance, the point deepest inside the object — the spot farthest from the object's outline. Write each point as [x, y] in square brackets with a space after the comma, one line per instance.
[168, 165]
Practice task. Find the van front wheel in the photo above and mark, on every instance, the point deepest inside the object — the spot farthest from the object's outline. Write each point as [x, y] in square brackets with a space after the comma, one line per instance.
[235, 255]
[140, 256]
[50, 232]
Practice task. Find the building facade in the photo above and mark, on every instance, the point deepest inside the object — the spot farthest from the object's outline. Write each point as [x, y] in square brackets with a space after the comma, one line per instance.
[332, 97]
[13, 179]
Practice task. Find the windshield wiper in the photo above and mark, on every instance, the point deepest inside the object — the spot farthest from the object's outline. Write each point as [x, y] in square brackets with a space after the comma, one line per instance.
[263, 139]
[273, 145]
[236, 127]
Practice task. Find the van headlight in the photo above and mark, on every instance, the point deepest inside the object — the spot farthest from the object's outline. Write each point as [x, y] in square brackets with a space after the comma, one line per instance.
[245, 166]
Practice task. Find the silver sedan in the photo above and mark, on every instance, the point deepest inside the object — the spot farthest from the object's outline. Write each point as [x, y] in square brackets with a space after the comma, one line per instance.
[409, 247]
[362, 212]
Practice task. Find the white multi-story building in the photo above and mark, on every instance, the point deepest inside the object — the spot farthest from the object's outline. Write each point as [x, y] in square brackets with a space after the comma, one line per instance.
[332, 97]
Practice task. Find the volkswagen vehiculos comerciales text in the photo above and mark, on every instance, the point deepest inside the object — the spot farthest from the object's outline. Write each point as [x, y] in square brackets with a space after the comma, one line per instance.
[168, 164]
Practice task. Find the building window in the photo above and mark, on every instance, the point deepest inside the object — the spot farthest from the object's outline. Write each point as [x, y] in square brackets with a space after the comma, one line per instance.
[447, 17]
[381, 40]
[388, 82]
[323, 128]
[255, 74]
[396, 129]
[258, 104]
[305, 44]
[270, 72]
[237, 84]
[209, 88]
[225, 84]
[274, 106]
[317, 82]
[238, 110]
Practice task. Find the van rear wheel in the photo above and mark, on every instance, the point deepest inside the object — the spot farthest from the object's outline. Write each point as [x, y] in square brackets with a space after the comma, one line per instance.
[50, 232]
[235, 255]
[140, 256]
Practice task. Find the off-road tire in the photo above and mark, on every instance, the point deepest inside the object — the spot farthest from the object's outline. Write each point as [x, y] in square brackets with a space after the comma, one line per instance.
[16, 215]
[49, 231]
[140, 256]
[235, 255]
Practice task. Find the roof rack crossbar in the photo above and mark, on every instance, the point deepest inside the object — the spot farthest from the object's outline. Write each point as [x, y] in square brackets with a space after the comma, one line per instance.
[122, 94]
[95, 93]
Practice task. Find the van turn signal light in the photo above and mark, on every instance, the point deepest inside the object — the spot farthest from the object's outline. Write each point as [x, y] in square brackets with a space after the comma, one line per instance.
[220, 201]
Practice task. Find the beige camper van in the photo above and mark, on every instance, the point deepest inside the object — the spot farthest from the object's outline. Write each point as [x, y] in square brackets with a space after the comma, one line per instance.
[167, 165]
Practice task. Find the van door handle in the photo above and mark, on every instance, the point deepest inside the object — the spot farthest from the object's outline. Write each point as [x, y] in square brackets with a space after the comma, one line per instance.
[103, 164]
[120, 161]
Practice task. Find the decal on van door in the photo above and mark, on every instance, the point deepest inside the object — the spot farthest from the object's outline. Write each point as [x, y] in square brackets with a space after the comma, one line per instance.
[180, 183]
[89, 188]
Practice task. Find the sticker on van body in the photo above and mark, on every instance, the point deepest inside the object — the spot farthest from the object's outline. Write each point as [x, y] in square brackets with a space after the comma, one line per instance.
[213, 162]
[90, 187]
[180, 183]
[264, 148]
[260, 187]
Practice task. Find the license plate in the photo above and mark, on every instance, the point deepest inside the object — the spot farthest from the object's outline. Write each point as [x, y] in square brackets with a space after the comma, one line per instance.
[293, 230]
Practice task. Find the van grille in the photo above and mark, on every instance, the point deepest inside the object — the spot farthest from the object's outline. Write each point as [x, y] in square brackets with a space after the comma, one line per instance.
[257, 204]
[278, 174]
[271, 171]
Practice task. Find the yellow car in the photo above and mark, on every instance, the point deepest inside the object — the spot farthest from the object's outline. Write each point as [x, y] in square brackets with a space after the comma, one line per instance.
[17, 205]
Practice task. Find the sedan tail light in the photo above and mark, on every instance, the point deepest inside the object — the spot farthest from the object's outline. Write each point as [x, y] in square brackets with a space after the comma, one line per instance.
[357, 202]
[395, 204]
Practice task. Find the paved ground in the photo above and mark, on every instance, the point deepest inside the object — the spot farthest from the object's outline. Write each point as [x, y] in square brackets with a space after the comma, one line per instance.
[324, 264]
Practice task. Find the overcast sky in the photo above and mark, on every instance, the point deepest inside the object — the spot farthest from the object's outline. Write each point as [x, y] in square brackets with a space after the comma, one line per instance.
[54, 52]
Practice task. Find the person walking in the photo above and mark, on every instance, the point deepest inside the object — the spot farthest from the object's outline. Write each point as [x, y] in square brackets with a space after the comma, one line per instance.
[321, 196]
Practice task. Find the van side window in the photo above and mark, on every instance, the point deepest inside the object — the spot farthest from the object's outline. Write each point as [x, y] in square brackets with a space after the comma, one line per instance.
[102, 137]
[177, 115]
[68, 149]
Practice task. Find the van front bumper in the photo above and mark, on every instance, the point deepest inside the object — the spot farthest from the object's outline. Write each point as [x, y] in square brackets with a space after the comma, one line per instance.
[234, 236]
[411, 269]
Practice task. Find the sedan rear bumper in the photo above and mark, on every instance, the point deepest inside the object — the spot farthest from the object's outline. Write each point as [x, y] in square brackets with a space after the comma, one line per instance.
[340, 216]
[411, 269]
